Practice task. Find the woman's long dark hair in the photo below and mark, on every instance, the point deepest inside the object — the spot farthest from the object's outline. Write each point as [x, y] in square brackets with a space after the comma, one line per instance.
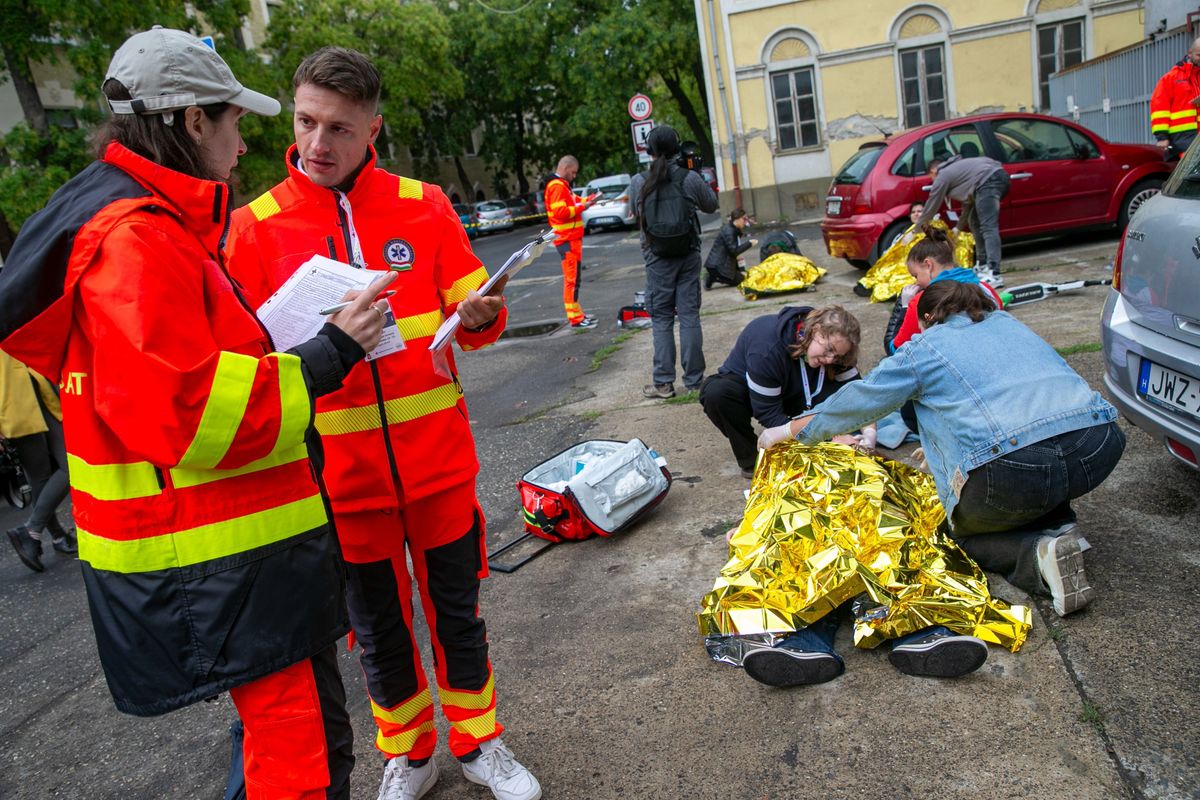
[943, 299]
[663, 143]
[150, 137]
[935, 245]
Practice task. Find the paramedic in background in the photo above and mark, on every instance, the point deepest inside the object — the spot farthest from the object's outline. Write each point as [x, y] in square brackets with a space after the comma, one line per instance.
[1173, 105]
[564, 211]
[379, 430]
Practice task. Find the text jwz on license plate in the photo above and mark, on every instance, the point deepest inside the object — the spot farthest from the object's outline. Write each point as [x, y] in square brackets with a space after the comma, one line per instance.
[1166, 387]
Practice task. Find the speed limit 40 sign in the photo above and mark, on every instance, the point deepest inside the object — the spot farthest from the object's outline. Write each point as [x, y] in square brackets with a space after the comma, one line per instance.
[640, 107]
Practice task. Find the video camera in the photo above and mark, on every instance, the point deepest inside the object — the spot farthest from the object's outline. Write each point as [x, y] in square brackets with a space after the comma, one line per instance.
[689, 156]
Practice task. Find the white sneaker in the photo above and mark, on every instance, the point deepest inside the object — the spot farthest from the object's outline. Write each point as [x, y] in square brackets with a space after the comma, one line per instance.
[990, 277]
[499, 771]
[404, 782]
[1060, 561]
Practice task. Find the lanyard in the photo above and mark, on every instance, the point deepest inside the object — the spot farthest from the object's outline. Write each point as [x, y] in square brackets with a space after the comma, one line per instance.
[808, 393]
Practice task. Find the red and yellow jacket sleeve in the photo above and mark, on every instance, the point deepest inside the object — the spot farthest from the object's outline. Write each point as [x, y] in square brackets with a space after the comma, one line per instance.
[162, 384]
[560, 203]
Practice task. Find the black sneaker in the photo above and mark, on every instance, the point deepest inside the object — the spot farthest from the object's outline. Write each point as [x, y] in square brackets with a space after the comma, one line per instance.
[658, 391]
[29, 550]
[938, 654]
[783, 667]
[65, 544]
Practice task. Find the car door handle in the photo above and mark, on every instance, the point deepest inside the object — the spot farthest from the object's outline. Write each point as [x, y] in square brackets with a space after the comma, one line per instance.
[927, 187]
[1020, 176]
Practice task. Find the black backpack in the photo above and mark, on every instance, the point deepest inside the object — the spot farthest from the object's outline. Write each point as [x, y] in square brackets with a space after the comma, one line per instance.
[778, 242]
[668, 219]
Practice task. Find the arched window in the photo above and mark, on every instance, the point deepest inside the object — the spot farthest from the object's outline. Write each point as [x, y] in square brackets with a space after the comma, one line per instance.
[921, 64]
[790, 56]
[1061, 42]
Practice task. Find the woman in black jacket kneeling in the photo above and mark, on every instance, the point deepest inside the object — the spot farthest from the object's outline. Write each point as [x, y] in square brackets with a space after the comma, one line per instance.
[722, 263]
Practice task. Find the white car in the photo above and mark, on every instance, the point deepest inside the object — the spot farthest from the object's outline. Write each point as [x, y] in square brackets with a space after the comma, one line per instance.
[493, 215]
[614, 209]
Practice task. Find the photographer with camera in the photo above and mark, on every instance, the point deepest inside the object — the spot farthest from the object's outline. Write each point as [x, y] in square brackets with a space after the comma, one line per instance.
[666, 198]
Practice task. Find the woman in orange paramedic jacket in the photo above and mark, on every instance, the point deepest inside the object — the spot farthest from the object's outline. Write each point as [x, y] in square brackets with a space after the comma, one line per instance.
[204, 535]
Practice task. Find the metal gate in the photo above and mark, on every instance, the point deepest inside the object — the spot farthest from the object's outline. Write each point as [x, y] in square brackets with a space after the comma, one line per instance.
[1110, 95]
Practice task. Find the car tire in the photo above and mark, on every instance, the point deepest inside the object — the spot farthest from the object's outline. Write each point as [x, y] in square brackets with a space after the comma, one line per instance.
[1133, 199]
[890, 234]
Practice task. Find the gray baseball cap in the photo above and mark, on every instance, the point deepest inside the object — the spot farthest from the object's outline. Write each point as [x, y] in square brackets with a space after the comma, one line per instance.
[166, 70]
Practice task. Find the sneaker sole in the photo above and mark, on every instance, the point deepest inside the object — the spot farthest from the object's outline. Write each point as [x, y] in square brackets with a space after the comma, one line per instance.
[16, 543]
[783, 668]
[480, 782]
[1065, 576]
[950, 657]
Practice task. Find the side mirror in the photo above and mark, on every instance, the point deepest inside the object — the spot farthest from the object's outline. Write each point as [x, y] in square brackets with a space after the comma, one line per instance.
[1082, 151]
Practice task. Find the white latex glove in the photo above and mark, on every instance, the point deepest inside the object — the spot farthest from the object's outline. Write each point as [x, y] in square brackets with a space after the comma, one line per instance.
[908, 293]
[866, 440]
[773, 436]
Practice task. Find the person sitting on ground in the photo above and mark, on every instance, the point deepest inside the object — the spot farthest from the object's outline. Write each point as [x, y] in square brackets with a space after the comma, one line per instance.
[782, 365]
[1009, 449]
[722, 264]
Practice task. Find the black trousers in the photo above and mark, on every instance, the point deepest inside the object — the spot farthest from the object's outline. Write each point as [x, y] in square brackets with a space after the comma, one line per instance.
[726, 401]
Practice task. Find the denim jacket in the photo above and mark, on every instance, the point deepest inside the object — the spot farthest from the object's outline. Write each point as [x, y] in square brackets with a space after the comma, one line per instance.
[981, 390]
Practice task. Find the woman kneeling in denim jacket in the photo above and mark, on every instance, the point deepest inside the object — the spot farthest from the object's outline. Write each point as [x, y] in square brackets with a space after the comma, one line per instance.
[1008, 449]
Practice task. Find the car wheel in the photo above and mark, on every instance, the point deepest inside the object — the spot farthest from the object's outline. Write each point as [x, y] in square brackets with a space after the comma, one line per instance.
[1140, 193]
[17, 492]
[890, 234]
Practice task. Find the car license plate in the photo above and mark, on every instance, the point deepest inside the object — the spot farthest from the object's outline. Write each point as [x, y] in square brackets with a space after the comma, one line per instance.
[1168, 388]
[833, 206]
[608, 221]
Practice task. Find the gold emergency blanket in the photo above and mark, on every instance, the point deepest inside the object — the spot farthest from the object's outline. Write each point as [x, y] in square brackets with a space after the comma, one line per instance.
[889, 274]
[782, 272]
[824, 524]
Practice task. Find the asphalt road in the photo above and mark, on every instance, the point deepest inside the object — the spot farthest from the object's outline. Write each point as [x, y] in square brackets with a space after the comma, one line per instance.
[1133, 663]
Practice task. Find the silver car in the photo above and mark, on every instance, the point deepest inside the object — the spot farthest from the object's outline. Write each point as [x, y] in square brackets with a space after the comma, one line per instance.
[1151, 323]
[614, 209]
[493, 215]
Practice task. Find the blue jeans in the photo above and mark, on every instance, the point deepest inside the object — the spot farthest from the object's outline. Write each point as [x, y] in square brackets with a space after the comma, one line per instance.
[818, 637]
[673, 289]
[1007, 504]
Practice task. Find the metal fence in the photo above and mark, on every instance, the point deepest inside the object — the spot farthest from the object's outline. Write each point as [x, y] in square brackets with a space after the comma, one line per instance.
[1111, 94]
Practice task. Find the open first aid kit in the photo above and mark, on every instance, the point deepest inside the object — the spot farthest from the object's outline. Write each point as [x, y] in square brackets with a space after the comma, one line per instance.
[594, 487]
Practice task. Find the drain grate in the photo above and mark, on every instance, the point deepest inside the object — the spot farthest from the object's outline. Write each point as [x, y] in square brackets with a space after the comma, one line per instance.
[531, 329]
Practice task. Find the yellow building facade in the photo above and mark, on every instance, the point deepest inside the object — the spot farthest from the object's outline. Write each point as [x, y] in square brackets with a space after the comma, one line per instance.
[796, 86]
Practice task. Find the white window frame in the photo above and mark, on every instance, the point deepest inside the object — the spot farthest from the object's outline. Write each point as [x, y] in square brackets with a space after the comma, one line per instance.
[1036, 20]
[919, 42]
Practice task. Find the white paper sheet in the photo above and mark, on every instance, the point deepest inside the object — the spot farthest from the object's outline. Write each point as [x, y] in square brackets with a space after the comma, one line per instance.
[515, 263]
[292, 315]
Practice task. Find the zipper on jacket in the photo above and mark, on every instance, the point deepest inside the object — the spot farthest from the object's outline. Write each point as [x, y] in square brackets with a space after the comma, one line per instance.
[383, 428]
[350, 235]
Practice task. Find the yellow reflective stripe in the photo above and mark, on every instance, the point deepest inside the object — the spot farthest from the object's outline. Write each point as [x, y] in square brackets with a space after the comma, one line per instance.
[419, 326]
[407, 711]
[480, 727]
[1158, 128]
[402, 742]
[205, 542]
[410, 189]
[264, 205]
[459, 289]
[113, 481]
[295, 405]
[1191, 112]
[401, 409]
[566, 226]
[558, 205]
[223, 411]
[1187, 126]
[1157, 114]
[182, 478]
[471, 700]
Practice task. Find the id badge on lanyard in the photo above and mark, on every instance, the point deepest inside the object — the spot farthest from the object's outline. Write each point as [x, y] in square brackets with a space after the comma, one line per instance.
[808, 393]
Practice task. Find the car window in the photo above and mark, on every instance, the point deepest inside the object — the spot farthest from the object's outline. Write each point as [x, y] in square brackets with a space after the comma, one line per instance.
[609, 190]
[1185, 179]
[460, 209]
[1032, 140]
[905, 165]
[963, 140]
[490, 205]
[859, 165]
[1082, 144]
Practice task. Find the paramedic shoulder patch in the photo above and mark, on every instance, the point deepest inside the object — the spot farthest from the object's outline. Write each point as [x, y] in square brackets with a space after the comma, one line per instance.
[398, 255]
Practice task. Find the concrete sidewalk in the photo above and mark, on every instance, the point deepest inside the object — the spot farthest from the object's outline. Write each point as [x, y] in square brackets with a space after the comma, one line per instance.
[608, 693]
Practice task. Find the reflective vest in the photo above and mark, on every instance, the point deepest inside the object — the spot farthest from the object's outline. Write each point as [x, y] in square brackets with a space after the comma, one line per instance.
[1171, 109]
[563, 211]
[383, 222]
[203, 533]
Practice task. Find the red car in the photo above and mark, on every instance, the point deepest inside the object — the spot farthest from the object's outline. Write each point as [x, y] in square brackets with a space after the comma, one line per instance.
[1063, 176]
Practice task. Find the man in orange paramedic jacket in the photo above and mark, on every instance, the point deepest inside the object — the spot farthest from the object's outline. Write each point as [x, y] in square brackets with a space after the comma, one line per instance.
[1173, 105]
[401, 461]
[563, 211]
